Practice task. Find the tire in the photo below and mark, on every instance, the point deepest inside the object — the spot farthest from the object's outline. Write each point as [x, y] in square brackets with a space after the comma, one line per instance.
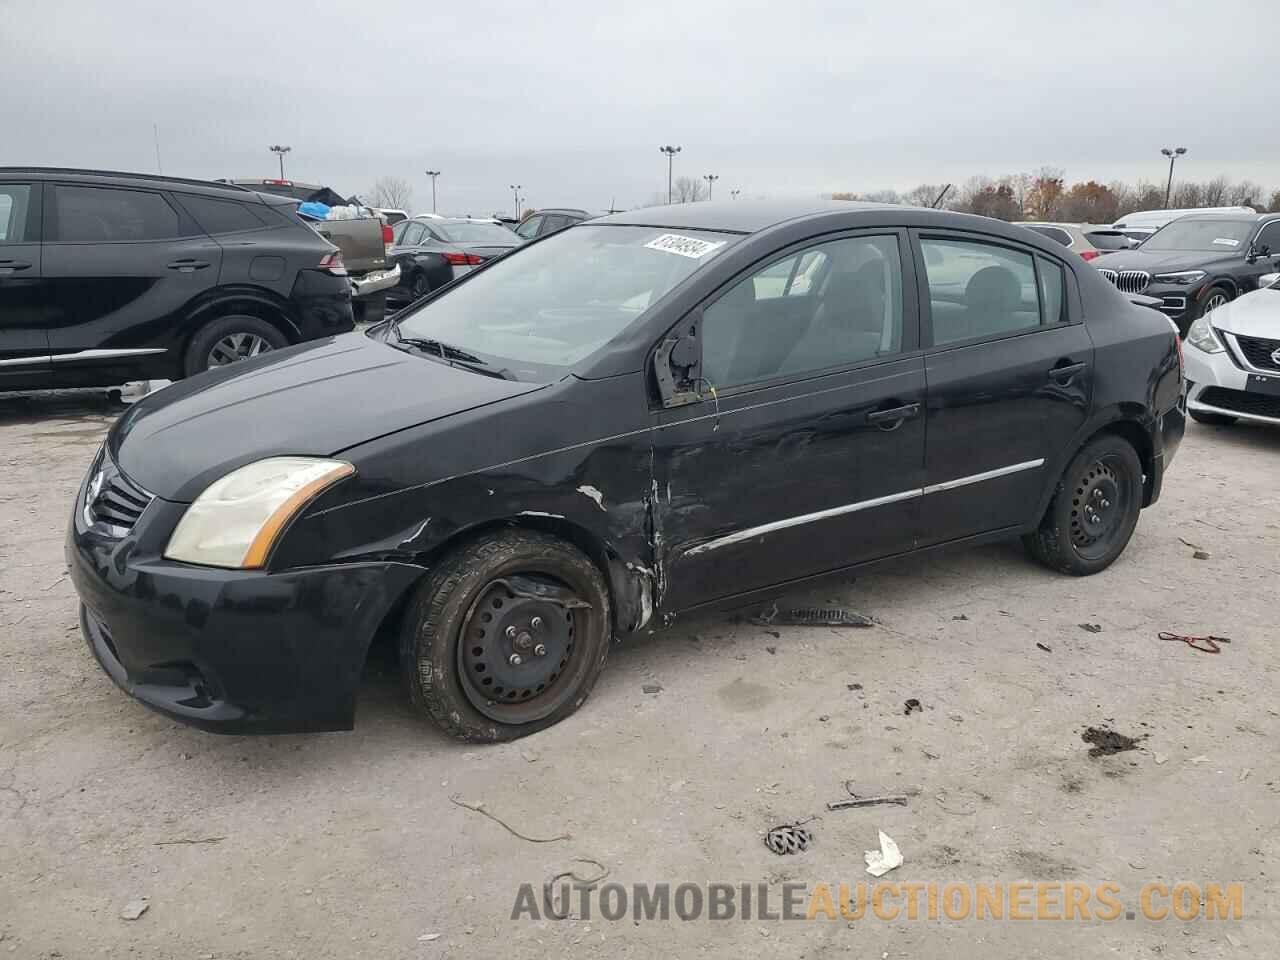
[1212, 298]
[222, 334]
[1212, 419]
[1103, 481]
[420, 287]
[472, 690]
[370, 309]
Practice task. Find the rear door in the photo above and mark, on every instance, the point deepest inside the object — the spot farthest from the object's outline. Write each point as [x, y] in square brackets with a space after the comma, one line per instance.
[1009, 366]
[806, 451]
[24, 343]
[122, 267]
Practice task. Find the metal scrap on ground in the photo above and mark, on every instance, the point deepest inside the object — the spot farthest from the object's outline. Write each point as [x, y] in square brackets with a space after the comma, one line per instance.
[811, 617]
[788, 838]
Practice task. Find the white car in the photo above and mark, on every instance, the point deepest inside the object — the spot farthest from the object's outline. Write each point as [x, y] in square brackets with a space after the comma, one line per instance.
[1233, 359]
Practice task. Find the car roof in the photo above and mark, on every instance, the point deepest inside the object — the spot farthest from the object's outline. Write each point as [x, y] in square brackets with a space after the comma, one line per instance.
[118, 178]
[574, 211]
[1228, 217]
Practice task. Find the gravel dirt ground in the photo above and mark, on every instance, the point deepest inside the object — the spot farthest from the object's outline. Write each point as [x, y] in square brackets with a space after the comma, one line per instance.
[346, 845]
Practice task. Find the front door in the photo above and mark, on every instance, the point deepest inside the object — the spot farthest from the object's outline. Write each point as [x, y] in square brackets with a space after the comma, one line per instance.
[24, 344]
[1009, 366]
[123, 266]
[806, 450]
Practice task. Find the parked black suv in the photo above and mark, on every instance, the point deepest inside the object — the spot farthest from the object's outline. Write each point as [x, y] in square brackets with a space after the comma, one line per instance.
[1198, 262]
[112, 277]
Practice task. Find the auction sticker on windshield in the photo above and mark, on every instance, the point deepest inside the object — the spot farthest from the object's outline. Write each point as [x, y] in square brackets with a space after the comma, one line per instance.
[690, 247]
[1227, 241]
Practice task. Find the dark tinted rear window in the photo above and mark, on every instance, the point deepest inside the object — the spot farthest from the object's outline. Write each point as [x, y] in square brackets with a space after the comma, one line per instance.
[221, 216]
[105, 215]
[1109, 241]
[1056, 234]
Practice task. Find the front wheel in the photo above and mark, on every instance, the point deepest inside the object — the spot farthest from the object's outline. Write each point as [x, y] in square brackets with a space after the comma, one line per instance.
[1094, 511]
[506, 636]
[1212, 299]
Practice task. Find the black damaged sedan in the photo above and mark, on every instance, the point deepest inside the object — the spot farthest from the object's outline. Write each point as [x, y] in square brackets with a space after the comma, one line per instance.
[644, 415]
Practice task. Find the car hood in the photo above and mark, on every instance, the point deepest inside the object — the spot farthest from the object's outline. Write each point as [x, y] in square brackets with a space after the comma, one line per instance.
[1255, 314]
[1160, 261]
[315, 399]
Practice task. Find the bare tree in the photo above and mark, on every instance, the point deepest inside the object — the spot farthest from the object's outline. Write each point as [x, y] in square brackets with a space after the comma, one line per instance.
[392, 192]
[689, 189]
[923, 195]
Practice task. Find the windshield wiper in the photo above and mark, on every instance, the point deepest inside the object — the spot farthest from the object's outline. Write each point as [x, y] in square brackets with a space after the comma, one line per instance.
[455, 357]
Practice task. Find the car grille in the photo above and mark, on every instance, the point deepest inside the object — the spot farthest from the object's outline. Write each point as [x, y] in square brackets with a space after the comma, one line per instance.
[112, 499]
[1128, 281]
[1241, 401]
[1260, 352]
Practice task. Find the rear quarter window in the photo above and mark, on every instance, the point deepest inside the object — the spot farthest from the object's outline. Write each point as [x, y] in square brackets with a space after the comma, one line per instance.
[221, 216]
[1114, 240]
[1056, 234]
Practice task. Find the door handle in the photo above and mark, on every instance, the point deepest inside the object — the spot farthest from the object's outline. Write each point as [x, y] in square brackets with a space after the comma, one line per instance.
[188, 266]
[1063, 372]
[894, 415]
[9, 266]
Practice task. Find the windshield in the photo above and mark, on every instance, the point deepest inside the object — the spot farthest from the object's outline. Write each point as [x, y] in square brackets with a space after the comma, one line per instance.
[547, 306]
[463, 232]
[1220, 236]
[1108, 240]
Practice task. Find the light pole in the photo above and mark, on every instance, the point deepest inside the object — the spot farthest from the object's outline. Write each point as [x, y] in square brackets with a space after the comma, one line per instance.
[733, 194]
[515, 190]
[433, 174]
[280, 151]
[1173, 155]
[711, 179]
[671, 152]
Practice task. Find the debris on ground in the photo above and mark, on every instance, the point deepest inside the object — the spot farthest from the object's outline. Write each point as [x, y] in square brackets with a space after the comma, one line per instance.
[912, 706]
[811, 617]
[479, 808]
[1160, 758]
[771, 650]
[1044, 648]
[1091, 627]
[173, 843]
[1244, 774]
[824, 718]
[1201, 555]
[853, 686]
[1200, 759]
[651, 688]
[1108, 742]
[428, 937]
[529, 756]
[572, 874]
[135, 908]
[1208, 644]
[960, 616]
[888, 857]
[899, 799]
[788, 838]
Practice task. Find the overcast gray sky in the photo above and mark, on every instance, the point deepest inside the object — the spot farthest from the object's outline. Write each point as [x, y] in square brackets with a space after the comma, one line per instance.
[573, 98]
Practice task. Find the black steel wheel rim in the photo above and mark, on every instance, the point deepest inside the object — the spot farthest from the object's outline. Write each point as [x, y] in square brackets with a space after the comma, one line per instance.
[519, 655]
[1099, 507]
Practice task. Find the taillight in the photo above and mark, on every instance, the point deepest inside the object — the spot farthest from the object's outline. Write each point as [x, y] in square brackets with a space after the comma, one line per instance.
[463, 259]
[1088, 254]
[332, 263]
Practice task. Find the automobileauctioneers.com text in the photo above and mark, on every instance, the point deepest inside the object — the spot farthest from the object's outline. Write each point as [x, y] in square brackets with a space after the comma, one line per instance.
[882, 901]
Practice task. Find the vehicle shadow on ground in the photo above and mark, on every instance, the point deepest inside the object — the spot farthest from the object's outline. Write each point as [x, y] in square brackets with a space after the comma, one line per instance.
[19, 409]
[1242, 434]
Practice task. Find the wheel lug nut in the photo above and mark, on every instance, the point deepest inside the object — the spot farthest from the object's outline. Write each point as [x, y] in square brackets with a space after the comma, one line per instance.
[515, 660]
[540, 650]
[511, 633]
[536, 623]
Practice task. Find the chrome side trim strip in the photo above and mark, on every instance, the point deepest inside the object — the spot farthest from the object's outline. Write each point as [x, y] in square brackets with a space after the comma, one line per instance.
[988, 475]
[19, 361]
[752, 532]
[104, 354]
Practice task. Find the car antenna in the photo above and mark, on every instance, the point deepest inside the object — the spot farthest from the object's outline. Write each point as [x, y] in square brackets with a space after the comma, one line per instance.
[938, 199]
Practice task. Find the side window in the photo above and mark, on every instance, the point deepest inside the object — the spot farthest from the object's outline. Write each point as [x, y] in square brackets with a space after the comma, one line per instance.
[979, 290]
[221, 216]
[555, 222]
[529, 229]
[830, 305]
[106, 215]
[1053, 300]
[1269, 237]
[413, 234]
[15, 201]
[397, 231]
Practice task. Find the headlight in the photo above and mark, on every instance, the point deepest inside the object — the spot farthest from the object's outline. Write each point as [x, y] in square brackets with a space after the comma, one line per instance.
[1202, 337]
[237, 519]
[1185, 278]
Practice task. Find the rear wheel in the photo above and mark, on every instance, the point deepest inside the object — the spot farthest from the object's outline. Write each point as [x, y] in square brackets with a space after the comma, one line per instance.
[506, 636]
[421, 286]
[1094, 511]
[1212, 419]
[228, 340]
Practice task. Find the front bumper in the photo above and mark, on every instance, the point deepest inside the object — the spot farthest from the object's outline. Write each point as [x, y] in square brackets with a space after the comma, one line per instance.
[1218, 385]
[375, 282]
[227, 650]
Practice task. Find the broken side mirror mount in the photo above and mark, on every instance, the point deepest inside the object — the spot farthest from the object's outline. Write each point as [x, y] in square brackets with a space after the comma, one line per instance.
[677, 365]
